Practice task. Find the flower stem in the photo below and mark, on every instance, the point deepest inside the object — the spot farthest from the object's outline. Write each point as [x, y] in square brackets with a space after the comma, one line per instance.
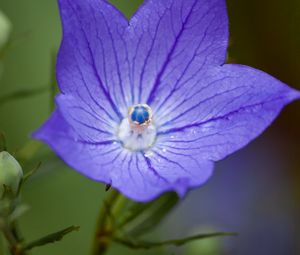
[104, 228]
[11, 234]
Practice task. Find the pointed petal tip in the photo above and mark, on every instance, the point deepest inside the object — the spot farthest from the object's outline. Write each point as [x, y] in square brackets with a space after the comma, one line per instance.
[37, 134]
[46, 132]
[292, 95]
[296, 94]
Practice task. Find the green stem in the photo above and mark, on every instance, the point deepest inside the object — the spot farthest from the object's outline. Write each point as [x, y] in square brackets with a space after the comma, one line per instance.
[104, 228]
[11, 234]
[9, 227]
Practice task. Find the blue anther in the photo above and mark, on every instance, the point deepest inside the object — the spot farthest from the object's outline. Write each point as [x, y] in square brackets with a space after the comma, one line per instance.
[140, 114]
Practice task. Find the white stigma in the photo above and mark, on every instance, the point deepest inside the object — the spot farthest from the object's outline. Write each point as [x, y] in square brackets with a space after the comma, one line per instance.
[137, 132]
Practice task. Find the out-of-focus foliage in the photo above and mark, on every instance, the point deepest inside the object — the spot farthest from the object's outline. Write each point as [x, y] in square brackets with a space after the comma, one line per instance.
[260, 202]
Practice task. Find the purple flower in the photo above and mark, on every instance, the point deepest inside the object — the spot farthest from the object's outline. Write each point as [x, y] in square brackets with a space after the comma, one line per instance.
[148, 105]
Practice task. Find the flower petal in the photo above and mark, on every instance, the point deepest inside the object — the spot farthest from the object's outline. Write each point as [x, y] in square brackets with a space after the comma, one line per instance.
[143, 177]
[85, 157]
[169, 56]
[86, 121]
[93, 53]
[229, 107]
[174, 37]
[140, 177]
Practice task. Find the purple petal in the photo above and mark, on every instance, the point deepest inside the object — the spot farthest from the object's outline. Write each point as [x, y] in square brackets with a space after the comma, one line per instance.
[169, 56]
[114, 64]
[88, 123]
[174, 37]
[229, 107]
[83, 156]
[92, 59]
[139, 176]
[143, 177]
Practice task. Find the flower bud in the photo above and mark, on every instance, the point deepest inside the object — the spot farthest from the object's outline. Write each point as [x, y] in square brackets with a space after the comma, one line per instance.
[10, 173]
[5, 28]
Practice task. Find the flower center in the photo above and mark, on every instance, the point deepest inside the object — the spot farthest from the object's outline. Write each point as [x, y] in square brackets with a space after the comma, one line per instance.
[137, 132]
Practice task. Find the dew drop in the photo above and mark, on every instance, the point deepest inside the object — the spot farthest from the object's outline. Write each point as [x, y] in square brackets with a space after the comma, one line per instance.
[148, 154]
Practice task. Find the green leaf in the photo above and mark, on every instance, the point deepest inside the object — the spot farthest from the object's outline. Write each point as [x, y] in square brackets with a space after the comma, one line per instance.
[140, 218]
[139, 244]
[57, 236]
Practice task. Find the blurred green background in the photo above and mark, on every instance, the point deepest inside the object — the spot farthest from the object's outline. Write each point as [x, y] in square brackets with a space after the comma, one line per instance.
[255, 192]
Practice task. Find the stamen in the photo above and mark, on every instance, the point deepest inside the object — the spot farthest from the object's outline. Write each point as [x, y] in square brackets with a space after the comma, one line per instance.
[140, 116]
[137, 132]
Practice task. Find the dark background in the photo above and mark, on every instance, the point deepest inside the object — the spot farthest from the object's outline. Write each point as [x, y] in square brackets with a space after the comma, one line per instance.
[255, 192]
